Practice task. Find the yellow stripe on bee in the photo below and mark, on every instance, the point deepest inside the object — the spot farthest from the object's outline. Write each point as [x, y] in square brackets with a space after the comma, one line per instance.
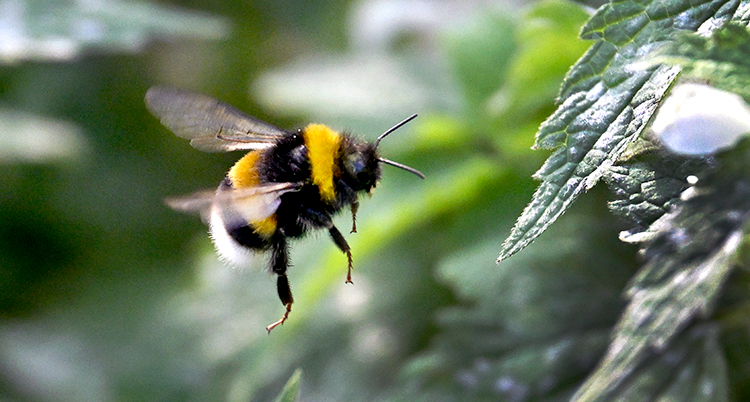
[265, 228]
[323, 145]
[244, 175]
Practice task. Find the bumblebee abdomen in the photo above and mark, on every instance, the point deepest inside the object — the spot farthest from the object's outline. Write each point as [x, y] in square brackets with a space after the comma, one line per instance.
[245, 174]
[234, 243]
[246, 236]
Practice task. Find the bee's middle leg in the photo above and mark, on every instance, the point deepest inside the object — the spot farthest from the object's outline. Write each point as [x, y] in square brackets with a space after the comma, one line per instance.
[341, 243]
[323, 220]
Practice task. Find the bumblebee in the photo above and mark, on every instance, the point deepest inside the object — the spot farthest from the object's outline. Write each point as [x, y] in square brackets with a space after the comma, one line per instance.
[290, 183]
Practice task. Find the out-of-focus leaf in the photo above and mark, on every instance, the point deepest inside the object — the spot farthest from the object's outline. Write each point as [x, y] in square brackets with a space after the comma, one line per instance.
[548, 44]
[720, 59]
[688, 261]
[479, 53]
[375, 83]
[692, 368]
[51, 364]
[29, 138]
[605, 103]
[466, 182]
[290, 393]
[342, 90]
[530, 330]
[61, 30]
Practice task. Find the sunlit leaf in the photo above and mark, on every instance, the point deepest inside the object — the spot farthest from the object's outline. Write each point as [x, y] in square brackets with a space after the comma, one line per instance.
[605, 104]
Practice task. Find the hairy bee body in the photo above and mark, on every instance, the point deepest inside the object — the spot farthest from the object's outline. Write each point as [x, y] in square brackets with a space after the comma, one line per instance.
[325, 190]
[290, 183]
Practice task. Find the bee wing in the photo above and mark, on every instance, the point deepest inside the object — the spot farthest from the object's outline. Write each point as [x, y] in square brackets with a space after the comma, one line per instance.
[210, 125]
[243, 205]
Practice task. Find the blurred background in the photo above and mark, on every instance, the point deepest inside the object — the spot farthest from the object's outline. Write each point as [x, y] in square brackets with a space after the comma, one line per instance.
[107, 295]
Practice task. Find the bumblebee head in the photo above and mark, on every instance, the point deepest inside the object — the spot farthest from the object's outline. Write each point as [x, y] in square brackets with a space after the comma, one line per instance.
[361, 166]
[362, 163]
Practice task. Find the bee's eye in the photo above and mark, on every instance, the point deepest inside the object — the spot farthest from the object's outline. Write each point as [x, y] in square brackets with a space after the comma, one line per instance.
[355, 164]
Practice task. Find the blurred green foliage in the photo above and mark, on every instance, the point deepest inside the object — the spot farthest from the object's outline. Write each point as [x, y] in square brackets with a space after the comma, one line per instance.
[290, 392]
[106, 294]
[719, 58]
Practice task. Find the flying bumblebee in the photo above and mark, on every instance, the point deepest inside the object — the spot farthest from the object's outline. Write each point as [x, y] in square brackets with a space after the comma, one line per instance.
[290, 182]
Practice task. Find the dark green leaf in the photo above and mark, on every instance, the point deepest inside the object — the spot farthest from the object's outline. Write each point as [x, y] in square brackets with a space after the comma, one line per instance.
[605, 103]
[531, 330]
[647, 188]
[721, 59]
[692, 368]
[688, 260]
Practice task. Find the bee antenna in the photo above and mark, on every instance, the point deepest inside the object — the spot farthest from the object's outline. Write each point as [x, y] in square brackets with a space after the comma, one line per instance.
[399, 165]
[394, 128]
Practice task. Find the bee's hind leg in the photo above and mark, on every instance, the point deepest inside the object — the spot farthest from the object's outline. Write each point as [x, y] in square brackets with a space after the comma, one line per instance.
[279, 265]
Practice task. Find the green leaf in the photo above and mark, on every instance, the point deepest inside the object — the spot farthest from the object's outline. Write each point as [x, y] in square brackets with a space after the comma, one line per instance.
[290, 392]
[27, 137]
[479, 53]
[646, 189]
[688, 260]
[407, 213]
[547, 45]
[530, 330]
[720, 59]
[692, 368]
[605, 103]
[62, 30]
